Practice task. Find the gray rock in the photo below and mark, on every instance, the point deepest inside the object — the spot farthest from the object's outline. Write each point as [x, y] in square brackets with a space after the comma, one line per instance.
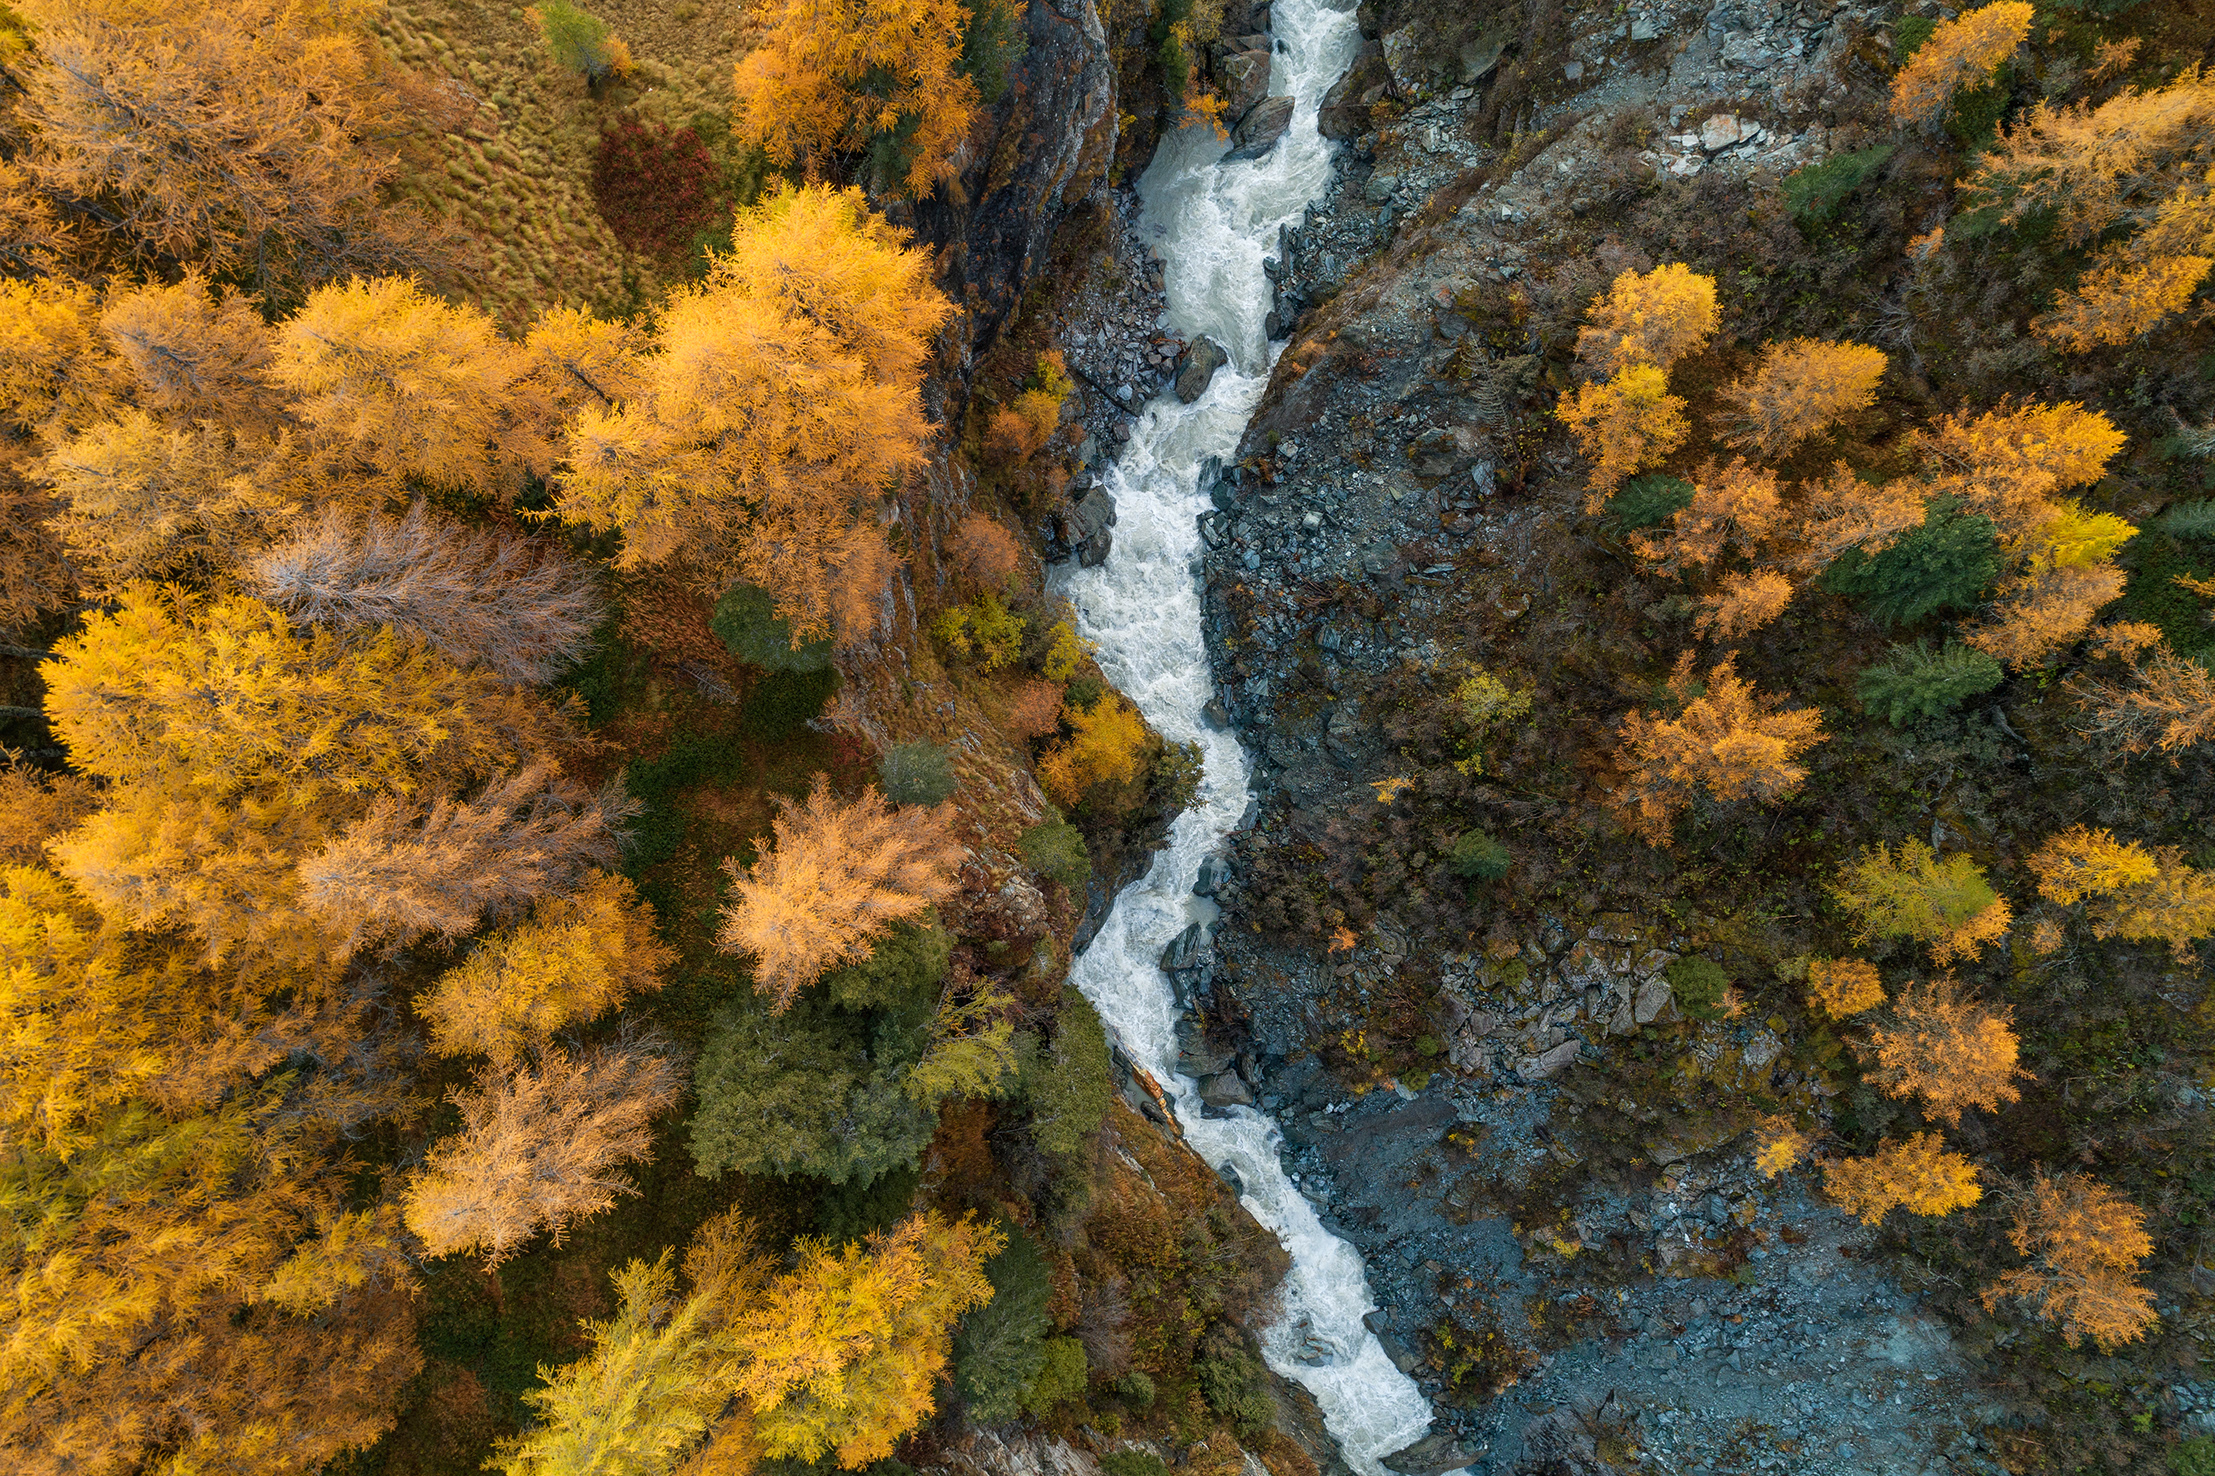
[1200, 363]
[1345, 113]
[1433, 1455]
[1094, 551]
[1225, 1089]
[1720, 131]
[1245, 79]
[1573, 71]
[1379, 188]
[1552, 1063]
[1257, 133]
[1212, 872]
[1653, 998]
[1481, 56]
[1184, 953]
[1644, 30]
[1403, 56]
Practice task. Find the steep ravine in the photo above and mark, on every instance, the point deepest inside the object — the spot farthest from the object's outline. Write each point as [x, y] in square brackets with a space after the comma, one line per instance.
[1570, 1274]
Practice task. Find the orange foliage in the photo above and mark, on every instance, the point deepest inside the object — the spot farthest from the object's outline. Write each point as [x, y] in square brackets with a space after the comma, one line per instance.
[1103, 749]
[2043, 609]
[2085, 1243]
[1743, 603]
[837, 75]
[838, 878]
[1843, 986]
[1843, 512]
[1800, 387]
[2080, 861]
[784, 395]
[2007, 464]
[1036, 710]
[1626, 424]
[195, 352]
[1729, 743]
[841, 1354]
[984, 552]
[2116, 303]
[538, 1148]
[1960, 53]
[1778, 1145]
[2167, 702]
[1652, 319]
[2124, 160]
[1950, 1051]
[1920, 1174]
[1734, 504]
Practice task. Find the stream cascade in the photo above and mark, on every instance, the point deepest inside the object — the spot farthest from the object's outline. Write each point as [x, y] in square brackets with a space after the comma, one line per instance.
[1214, 221]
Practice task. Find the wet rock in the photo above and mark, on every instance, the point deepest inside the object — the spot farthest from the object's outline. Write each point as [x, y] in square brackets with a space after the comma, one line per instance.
[1346, 113]
[1094, 551]
[1200, 363]
[1225, 1089]
[1245, 79]
[1257, 133]
[1184, 953]
[1195, 1057]
[1433, 1455]
[1211, 876]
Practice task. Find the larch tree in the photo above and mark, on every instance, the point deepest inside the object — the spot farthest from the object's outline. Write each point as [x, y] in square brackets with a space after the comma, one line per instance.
[1799, 388]
[2085, 1244]
[539, 1147]
[416, 386]
[1103, 748]
[837, 880]
[480, 597]
[782, 398]
[2167, 702]
[194, 352]
[57, 373]
[1919, 1174]
[2081, 862]
[840, 1355]
[1840, 987]
[2134, 893]
[1964, 52]
[252, 139]
[1937, 1044]
[578, 360]
[1733, 506]
[836, 76]
[579, 956]
[1625, 424]
[2121, 162]
[1653, 319]
[1842, 513]
[1742, 604]
[1729, 743]
[1947, 904]
[2117, 303]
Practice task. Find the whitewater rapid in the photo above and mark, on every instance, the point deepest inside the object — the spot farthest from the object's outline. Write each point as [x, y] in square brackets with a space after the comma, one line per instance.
[1214, 223]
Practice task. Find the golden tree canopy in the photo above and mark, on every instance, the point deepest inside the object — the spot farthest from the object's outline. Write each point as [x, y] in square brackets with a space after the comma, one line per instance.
[1843, 986]
[1626, 424]
[1947, 904]
[1919, 1174]
[837, 75]
[1949, 1050]
[2085, 1243]
[840, 875]
[1799, 388]
[1653, 318]
[1729, 743]
[1964, 52]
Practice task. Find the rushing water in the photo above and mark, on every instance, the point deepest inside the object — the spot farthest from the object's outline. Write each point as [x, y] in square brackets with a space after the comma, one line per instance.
[1214, 223]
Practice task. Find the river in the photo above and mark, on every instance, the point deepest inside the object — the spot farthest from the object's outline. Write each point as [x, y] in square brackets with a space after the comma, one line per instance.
[1214, 223]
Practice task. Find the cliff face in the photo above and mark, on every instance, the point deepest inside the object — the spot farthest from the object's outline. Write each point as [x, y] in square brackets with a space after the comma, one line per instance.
[1037, 151]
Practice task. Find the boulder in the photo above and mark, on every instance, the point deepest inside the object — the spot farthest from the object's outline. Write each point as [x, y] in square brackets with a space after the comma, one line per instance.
[1653, 998]
[1345, 111]
[1094, 551]
[1552, 1063]
[1212, 871]
[1257, 133]
[1444, 450]
[1200, 363]
[1480, 57]
[1403, 56]
[1184, 952]
[1433, 1455]
[1225, 1089]
[1245, 80]
[1720, 131]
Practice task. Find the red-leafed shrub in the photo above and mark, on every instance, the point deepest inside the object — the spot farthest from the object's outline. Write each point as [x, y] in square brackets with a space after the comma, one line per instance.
[653, 185]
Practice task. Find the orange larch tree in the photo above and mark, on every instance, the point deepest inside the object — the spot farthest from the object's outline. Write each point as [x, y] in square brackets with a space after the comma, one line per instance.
[1653, 318]
[1964, 52]
[1945, 1048]
[1734, 505]
[2167, 703]
[2085, 1243]
[838, 878]
[1729, 743]
[1800, 387]
[1840, 987]
[1919, 1174]
[1625, 424]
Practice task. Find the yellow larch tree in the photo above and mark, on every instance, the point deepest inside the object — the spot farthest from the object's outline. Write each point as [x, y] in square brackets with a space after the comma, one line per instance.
[195, 352]
[1728, 743]
[1937, 1044]
[835, 76]
[1625, 424]
[1743, 603]
[2085, 1244]
[580, 955]
[1653, 318]
[1840, 987]
[539, 1146]
[2135, 893]
[840, 1355]
[1844, 512]
[2139, 160]
[1963, 52]
[1800, 387]
[1779, 1145]
[57, 372]
[2080, 862]
[1103, 748]
[411, 384]
[2167, 702]
[782, 398]
[1919, 1174]
[1947, 904]
[578, 360]
[837, 879]
[2116, 303]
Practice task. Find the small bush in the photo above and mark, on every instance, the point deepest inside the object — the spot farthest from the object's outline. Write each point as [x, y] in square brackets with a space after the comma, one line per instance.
[1919, 682]
[1648, 501]
[1232, 1382]
[2188, 520]
[1055, 850]
[1814, 194]
[1060, 1378]
[1943, 565]
[1134, 1462]
[651, 184]
[2194, 1457]
[1478, 857]
[580, 43]
[916, 774]
[1137, 1389]
[1699, 985]
[745, 621]
[984, 629]
[783, 702]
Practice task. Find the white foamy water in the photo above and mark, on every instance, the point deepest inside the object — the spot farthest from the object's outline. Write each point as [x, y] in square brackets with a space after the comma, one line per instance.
[1215, 223]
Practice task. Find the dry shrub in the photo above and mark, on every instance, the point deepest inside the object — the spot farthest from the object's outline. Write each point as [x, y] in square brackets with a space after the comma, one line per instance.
[1036, 710]
[983, 552]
